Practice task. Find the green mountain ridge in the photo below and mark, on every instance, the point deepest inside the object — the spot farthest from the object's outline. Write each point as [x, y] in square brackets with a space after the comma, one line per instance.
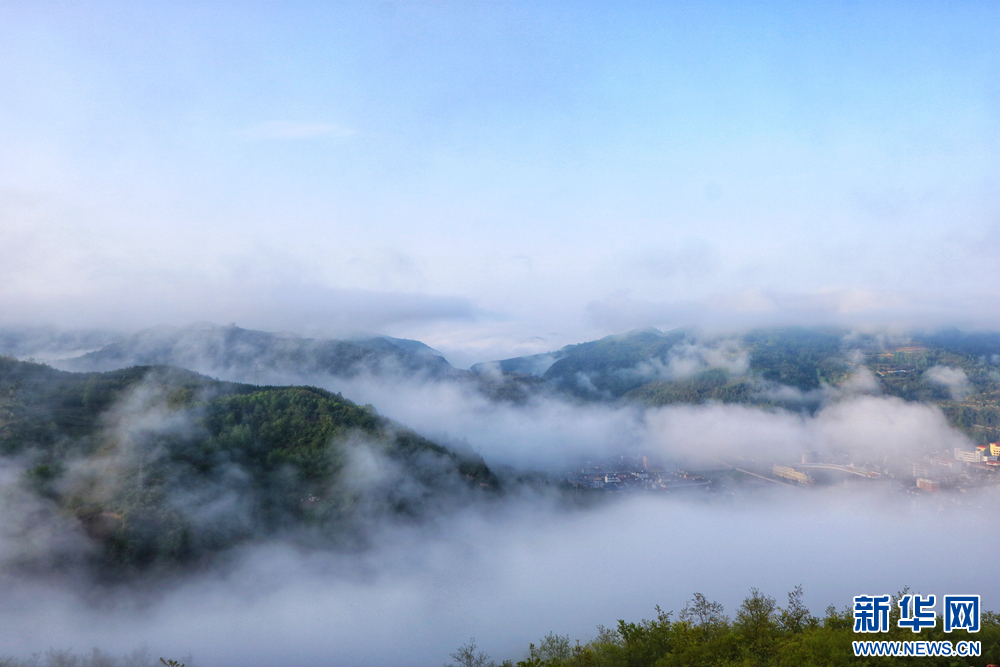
[793, 368]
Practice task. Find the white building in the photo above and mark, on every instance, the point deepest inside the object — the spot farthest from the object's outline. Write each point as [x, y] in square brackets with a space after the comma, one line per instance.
[967, 457]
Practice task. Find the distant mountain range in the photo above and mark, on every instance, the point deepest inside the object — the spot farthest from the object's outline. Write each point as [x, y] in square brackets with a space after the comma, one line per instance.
[235, 353]
[244, 355]
[46, 343]
[795, 368]
[605, 369]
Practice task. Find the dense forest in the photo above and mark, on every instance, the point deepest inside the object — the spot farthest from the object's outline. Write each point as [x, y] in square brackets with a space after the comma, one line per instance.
[160, 466]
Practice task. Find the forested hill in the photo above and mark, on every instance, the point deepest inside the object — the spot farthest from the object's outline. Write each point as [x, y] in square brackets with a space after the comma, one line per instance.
[158, 466]
[796, 368]
[696, 367]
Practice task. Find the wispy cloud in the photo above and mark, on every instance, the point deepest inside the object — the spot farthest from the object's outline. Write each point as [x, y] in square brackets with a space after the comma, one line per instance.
[294, 130]
[954, 378]
[758, 307]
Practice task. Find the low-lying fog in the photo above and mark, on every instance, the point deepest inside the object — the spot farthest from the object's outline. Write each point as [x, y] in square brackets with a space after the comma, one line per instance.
[509, 576]
[549, 431]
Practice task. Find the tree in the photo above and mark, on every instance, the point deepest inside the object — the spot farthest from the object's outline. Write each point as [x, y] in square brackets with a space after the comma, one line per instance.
[466, 656]
[553, 648]
[757, 613]
[702, 613]
[795, 617]
[756, 621]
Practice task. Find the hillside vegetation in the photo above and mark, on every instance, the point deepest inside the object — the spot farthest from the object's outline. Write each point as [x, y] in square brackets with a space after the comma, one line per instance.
[156, 466]
[796, 369]
[762, 634]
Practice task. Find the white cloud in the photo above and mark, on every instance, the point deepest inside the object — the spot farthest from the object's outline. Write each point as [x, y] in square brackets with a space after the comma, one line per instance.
[687, 359]
[727, 310]
[954, 378]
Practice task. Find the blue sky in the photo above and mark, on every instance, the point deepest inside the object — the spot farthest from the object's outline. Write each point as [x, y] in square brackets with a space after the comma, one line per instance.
[499, 178]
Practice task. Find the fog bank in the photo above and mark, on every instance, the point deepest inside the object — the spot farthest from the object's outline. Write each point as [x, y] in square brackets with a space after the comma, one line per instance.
[508, 577]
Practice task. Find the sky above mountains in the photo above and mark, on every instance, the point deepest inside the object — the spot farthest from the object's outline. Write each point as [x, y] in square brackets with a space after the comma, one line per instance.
[499, 179]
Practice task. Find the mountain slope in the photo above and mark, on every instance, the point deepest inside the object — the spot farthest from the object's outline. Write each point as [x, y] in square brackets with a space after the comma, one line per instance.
[156, 466]
[795, 368]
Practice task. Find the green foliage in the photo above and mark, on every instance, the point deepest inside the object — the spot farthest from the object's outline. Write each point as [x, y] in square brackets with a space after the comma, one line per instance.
[756, 627]
[762, 634]
[796, 617]
[711, 385]
[615, 366]
[707, 617]
[633, 367]
[796, 357]
[607, 362]
[552, 650]
[189, 466]
[41, 407]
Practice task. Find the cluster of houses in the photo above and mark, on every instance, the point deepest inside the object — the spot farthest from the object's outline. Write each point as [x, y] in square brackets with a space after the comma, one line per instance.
[633, 474]
[936, 471]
